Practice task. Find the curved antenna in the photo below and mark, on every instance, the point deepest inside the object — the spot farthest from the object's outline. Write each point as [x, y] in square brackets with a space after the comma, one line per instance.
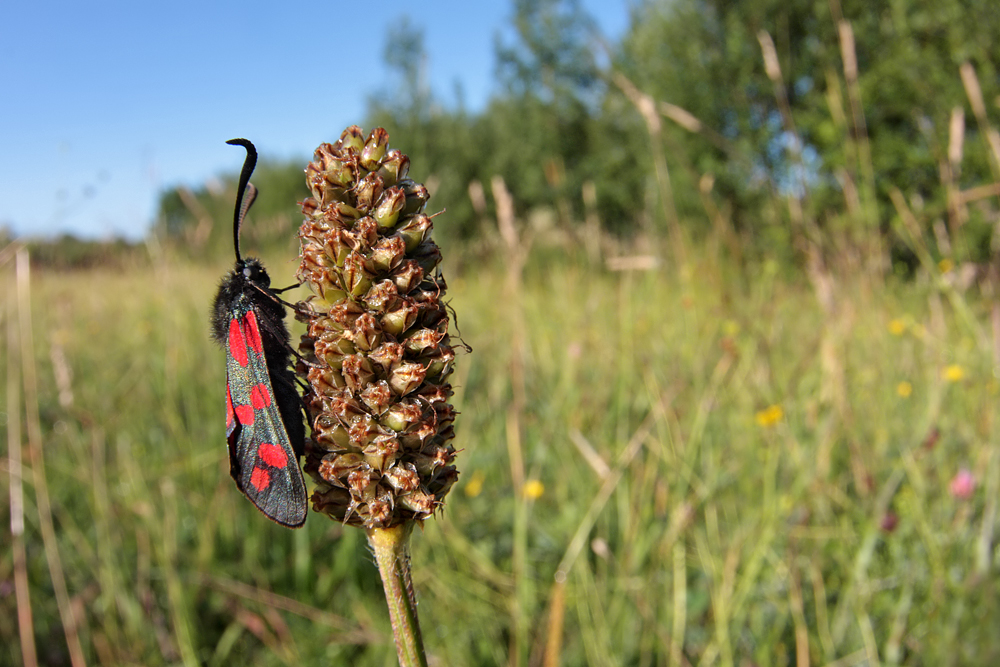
[244, 188]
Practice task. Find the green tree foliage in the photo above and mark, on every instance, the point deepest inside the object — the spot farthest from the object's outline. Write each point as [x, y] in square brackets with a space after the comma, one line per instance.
[560, 116]
[540, 127]
[705, 56]
[201, 219]
[535, 133]
[68, 253]
[552, 56]
[438, 140]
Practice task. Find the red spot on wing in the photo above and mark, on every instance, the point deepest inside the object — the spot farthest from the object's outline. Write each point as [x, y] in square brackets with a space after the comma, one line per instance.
[237, 343]
[272, 455]
[260, 396]
[253, 333]
[260, 478]
[245, 414]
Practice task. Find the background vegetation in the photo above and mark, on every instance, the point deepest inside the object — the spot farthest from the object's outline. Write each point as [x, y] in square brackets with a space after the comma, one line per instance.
[731, 288]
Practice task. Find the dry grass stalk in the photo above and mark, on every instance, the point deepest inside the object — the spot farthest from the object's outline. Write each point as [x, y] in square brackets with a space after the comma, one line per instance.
[15, 471]
[516, 253]
[646, 106]
[37, 461]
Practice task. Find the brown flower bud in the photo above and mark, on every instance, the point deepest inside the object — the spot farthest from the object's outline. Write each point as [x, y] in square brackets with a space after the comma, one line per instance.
[376, 349]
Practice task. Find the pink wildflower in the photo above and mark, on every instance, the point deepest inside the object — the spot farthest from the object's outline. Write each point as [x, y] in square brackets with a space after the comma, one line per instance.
[962, 484]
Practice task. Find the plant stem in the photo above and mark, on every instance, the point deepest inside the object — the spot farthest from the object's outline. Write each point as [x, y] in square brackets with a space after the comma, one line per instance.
[392, 553]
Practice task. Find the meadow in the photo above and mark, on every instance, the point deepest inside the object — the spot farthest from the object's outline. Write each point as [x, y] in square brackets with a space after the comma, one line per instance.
[693, 462]
[736, 406]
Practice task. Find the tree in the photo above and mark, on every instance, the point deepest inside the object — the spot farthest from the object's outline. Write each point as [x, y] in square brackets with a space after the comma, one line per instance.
[705, 56]
[200, 219]
[535, 132]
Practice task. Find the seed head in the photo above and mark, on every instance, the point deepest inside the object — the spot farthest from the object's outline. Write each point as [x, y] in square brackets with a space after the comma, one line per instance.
[377, 351]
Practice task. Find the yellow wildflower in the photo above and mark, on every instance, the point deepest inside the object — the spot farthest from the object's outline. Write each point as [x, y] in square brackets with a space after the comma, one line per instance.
[533, 489]
[945, 265]
[904, 389]
[953, 373]
[897, 327]
[770, 416]
[475, 484]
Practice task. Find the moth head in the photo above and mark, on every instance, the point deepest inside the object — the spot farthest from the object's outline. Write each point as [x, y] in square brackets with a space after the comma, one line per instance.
[253, 271]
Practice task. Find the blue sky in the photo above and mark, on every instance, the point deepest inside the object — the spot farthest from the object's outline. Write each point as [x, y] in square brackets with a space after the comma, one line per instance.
[105, 104]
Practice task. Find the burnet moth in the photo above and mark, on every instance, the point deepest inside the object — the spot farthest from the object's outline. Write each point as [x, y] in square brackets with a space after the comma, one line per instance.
[263, 412]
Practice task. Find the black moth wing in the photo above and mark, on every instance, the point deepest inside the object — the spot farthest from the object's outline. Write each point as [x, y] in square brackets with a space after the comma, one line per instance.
[264, 425]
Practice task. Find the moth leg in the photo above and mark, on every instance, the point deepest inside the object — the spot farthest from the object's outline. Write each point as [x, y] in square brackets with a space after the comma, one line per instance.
[272, 294]
[285, 289]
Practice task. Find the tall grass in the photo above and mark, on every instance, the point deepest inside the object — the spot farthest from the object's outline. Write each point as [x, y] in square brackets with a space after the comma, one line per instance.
[717, 460]
[685, 521]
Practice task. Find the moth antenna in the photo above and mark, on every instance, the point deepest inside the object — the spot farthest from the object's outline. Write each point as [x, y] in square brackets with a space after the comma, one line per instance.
[249, 197]
[245, 193]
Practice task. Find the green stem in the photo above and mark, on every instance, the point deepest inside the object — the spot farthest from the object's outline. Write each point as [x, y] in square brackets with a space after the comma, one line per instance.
[392, 553]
